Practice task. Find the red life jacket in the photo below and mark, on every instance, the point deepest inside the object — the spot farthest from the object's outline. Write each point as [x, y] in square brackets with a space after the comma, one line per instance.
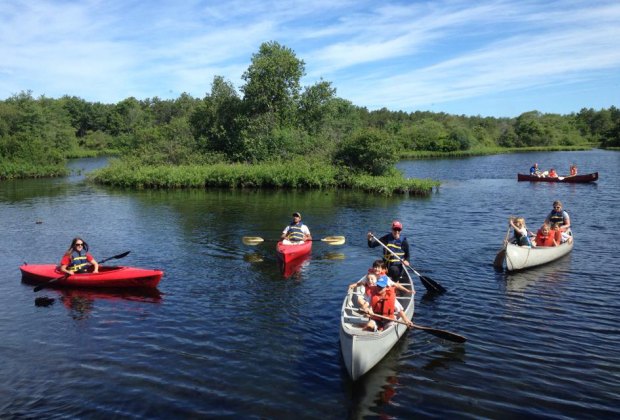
[384, 305]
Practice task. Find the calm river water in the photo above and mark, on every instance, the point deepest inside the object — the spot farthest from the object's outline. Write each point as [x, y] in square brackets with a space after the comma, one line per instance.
[229, 335]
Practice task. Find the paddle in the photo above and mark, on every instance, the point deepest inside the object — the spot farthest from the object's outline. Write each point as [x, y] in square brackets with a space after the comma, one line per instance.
[447, 335]
[430, 284]
[499, 258]
[331, 240]
[52, 281]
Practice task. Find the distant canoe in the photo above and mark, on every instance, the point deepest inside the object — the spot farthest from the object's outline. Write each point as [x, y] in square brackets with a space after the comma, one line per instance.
[522, 257]
[569, 179]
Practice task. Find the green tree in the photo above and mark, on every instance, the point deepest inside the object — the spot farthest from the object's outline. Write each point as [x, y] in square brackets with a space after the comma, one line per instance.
[272, 83]
[369, 151]
[314, 106]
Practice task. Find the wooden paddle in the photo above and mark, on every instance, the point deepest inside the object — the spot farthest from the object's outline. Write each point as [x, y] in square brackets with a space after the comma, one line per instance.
[52, 281]
[331, 240]
[447, 335]
[431, 285]
[499, 258]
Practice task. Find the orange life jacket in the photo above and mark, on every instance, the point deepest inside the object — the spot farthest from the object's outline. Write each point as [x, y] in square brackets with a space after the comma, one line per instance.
[384, 304]
[545, 240]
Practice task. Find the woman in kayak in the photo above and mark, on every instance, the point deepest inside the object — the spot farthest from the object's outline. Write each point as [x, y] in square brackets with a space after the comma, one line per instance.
[77, 259]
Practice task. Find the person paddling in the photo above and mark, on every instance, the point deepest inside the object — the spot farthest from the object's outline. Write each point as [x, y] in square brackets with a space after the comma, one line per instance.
[77, 259]
[296, 232]
[398, 245]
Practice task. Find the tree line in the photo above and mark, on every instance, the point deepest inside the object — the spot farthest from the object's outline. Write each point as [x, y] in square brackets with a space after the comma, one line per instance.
[270, 118]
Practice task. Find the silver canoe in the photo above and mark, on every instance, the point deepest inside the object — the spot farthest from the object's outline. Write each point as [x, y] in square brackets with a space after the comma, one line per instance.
[521, 257]
[361, 349]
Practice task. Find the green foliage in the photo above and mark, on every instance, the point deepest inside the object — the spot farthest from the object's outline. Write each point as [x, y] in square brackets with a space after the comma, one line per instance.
[275, 121]
[273, 83]
[368, 151]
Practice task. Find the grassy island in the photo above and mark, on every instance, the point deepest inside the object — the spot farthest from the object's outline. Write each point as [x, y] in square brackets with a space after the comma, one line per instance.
[264, 176]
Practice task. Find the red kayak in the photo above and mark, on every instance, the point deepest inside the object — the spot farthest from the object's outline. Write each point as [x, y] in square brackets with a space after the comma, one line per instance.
[288, 253]
[568, 179]
[121, 277]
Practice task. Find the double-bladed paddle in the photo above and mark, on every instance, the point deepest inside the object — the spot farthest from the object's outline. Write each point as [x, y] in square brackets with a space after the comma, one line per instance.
[447, 335]
[331, 240]
[52, 281]
[431, 285]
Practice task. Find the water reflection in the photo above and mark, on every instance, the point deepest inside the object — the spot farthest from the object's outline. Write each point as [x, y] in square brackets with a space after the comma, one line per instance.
[376, 389]
[81, 302]
[294, 268]
[550, 274]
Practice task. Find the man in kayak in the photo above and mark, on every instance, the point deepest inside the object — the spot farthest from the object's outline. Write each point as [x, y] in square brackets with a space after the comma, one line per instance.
[400, 250]
[296, 232]
[77, 259]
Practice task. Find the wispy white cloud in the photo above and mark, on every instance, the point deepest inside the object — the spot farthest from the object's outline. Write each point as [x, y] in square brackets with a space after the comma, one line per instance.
[392, 54]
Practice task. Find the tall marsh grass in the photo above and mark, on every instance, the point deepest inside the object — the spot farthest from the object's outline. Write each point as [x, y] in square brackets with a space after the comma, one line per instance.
[296, 175]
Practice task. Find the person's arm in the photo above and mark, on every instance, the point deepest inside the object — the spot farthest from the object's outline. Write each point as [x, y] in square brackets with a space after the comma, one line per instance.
[284, 233]
[308, 236]
[403, 288]
[405, 246]
[566, 221]
[405, 319]
[371, 241]
[94, 263]
[64, 262]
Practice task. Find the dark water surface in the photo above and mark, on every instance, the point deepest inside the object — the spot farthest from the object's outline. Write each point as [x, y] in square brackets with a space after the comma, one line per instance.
[227, 335]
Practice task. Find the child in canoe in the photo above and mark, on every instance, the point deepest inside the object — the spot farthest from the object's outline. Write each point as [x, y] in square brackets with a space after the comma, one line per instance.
[521, 235]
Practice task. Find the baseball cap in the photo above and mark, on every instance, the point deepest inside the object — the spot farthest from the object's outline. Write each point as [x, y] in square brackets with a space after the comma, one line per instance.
[297, 214]
[397, 225]
[383, 282]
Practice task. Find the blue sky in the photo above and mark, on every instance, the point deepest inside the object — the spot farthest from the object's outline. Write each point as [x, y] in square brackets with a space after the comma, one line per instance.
[490, 58]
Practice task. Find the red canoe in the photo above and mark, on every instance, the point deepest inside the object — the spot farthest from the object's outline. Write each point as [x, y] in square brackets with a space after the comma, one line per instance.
[121, 277]
[288, 253]
[569, 179]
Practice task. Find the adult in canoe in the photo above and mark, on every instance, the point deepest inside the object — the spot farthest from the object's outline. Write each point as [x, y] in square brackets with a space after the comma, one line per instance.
[558, 215]
[296, 231]
[77, 259]
[400, 250]
[534, 171]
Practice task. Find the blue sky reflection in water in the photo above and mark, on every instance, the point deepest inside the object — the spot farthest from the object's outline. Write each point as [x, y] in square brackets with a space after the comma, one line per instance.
[229, 335]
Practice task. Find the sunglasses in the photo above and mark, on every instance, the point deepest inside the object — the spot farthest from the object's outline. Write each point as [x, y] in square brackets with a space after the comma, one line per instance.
[80, 244]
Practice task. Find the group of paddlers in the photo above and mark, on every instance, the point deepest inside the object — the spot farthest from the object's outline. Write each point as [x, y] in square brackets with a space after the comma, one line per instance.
[553, 232]
[551, 173]
[376, 291]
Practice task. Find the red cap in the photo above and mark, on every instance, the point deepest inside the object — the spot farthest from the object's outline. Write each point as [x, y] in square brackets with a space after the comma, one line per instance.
[397, 225]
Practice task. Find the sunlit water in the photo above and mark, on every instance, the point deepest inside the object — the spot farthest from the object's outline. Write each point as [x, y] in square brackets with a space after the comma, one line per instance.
[227, 334]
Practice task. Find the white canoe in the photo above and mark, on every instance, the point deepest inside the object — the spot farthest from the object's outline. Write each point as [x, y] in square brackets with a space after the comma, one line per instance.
[521, 257]
[361, 350]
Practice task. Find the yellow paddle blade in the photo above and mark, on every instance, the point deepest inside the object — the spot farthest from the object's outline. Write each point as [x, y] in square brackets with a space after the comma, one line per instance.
[334, 256]
[334, 240]
[252, 240]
